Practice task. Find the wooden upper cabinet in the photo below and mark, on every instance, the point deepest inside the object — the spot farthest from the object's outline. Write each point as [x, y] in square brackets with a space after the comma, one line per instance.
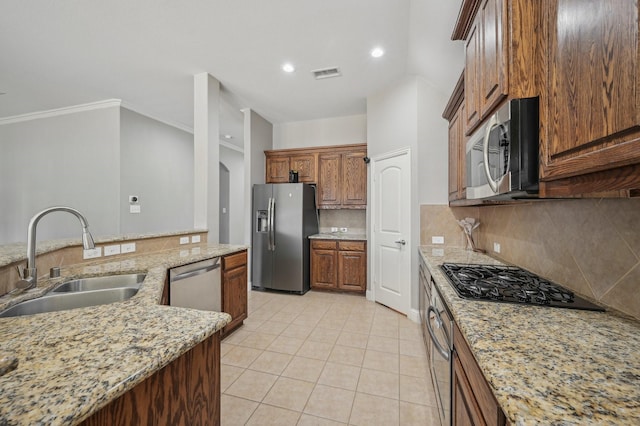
[354, 179]
[329, 186]
[493, 58]
[455, 114]
[590, 135]
[500, 54]
[305, 165]
[277, 169]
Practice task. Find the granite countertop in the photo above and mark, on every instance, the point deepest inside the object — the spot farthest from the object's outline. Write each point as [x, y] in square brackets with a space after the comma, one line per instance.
[339, 236]
[548, 365]
[61, 367]
[16, 252]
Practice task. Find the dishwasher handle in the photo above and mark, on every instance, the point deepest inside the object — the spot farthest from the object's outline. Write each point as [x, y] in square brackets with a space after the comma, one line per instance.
[193, 273]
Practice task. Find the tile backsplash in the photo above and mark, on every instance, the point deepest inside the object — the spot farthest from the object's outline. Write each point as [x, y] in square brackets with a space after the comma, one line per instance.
[591, 246]
[355, 220]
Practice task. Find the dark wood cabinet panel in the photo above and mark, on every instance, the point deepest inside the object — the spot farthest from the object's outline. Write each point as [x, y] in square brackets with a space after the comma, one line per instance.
[329, 185]
[465, 407]
[234, 289]
[185, 392]
[475, 394]
[590, 110]
[494, 66]
[455, 113]
[471, 79]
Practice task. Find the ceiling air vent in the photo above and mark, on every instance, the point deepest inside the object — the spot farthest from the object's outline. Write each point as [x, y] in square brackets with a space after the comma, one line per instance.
[326, 73]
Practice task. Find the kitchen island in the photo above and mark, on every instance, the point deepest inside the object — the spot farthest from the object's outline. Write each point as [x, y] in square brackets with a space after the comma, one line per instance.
[72, 363]
[547, 365]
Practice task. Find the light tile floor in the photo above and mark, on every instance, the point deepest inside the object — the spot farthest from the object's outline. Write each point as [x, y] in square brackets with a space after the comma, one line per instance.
[325, 359]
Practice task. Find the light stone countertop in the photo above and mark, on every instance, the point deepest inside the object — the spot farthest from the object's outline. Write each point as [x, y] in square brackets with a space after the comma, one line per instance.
[548, 365]
[339, 236]
[15, 252]
[72, 363]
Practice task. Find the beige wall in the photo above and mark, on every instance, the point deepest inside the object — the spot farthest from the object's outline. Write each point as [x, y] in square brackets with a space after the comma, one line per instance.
[589, 246]
[354, 220]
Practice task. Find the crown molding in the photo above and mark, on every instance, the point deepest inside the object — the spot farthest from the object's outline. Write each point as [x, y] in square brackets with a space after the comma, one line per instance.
[108, 103]
[231, 146]
[156, 118]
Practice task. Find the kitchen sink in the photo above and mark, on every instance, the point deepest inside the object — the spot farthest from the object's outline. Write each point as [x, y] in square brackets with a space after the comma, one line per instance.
[100, 283]
[53, 302]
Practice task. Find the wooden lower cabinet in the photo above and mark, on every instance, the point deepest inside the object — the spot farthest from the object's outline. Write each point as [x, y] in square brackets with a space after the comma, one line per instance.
[473, 401]
[339, 265]
[185, 392]
[234, 289]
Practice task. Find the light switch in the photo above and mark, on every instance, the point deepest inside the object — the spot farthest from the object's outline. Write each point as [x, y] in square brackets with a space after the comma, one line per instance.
[128, 248]
[184, 240]
[112, 250]
[134, 208]
[195, 238]
[92, 253]
[437, 240]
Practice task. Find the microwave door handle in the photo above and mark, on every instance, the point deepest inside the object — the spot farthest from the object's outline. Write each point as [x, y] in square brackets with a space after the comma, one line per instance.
[493, 122]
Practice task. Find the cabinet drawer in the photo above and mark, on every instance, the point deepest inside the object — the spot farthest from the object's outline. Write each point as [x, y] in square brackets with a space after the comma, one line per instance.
[324, 244]
[351, 245]
[234, 260]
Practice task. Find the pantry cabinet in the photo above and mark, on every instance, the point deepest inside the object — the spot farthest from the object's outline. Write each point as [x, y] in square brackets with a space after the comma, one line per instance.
[339, 265]
[590, 106]
[234, 289]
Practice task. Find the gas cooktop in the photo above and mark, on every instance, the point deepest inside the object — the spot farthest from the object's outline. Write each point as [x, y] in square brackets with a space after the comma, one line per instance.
[510, 284]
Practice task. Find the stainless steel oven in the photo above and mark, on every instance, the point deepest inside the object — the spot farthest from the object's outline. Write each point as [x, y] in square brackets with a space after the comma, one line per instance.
[440, 328]
[424, 298]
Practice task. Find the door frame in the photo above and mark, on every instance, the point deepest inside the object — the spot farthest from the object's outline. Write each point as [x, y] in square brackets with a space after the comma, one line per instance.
[371, 247]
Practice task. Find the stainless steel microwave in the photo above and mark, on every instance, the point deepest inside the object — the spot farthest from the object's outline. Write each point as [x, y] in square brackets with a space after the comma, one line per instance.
[502, 156]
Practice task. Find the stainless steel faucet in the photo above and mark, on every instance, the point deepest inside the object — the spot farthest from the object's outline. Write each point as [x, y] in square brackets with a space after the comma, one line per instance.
[29, 275]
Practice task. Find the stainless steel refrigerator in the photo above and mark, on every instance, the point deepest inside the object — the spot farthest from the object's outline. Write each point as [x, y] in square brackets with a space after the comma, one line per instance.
[284, 216]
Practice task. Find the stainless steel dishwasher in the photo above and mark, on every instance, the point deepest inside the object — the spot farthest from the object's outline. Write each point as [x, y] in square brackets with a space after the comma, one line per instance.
[196, 285]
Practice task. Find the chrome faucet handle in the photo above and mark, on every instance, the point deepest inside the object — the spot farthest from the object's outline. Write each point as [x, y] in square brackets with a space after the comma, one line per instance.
[21, 286]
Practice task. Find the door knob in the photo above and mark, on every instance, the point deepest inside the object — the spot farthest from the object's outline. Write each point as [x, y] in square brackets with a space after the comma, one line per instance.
[403, 242]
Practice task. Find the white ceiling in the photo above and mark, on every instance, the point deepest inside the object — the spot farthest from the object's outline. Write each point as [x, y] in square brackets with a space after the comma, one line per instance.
[60, 53]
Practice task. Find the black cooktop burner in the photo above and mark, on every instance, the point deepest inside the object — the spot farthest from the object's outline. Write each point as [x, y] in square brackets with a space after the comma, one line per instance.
[510, 284]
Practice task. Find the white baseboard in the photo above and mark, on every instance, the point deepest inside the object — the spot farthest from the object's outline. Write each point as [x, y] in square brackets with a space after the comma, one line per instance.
[414, 315]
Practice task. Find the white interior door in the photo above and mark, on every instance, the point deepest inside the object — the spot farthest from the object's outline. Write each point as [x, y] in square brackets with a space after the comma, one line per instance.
[391, 218]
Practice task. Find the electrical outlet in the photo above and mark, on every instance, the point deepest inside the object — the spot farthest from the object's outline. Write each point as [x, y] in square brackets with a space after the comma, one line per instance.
[344, 229]
[134, 208]
[92, 253]
[437, 252]
[496, 247]
[334, 229]
[184, 240]
[195, 238]
[437, 240]
[128, 248]
[112, 250]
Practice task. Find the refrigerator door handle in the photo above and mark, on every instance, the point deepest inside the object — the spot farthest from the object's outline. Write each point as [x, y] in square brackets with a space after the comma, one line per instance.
[272, 231]
[269, 225]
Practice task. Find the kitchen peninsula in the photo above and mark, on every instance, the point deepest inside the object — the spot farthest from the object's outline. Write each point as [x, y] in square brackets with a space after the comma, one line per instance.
[73, 363]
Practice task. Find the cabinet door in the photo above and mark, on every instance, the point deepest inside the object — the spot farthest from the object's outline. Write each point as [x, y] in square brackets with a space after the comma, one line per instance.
[352, 270]
[305, 164]
[234, 295]
[277, 169]
[454, 157]
[493, 66]
[329, 192]
[354, 179]
[593, 99]
[324, 268]
[471, 78]
[466, 411]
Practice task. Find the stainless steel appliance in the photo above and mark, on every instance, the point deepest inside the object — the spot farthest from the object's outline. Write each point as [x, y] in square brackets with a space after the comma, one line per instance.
[196, 285]
[284, 216]
[510, 284]
[440, 327]
[424, 297]
[502, 156]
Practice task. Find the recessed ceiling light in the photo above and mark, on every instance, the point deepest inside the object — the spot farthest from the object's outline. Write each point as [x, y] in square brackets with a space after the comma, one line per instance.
[228, 137]
[377, 52]
[288, 67]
